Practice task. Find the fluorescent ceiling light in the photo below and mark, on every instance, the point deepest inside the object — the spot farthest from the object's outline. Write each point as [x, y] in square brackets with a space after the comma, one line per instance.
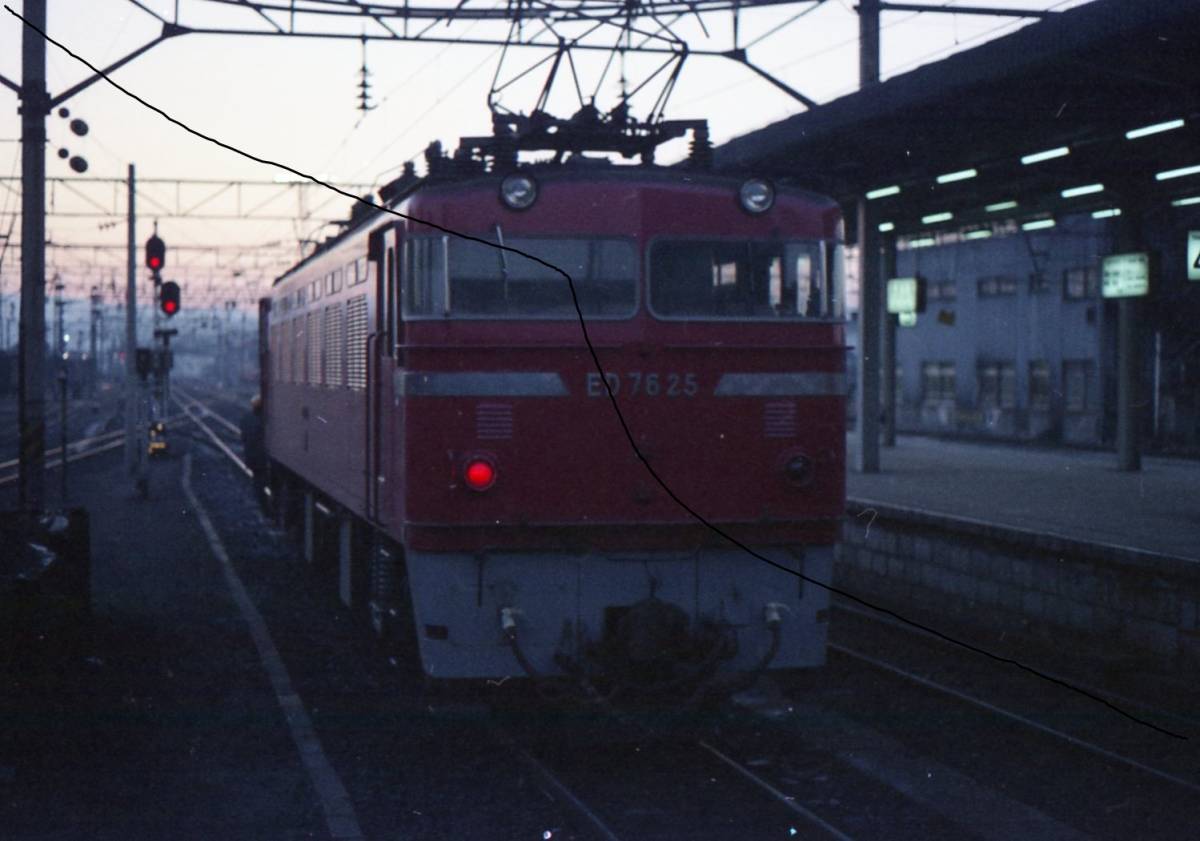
[1169, 125]
[977, 235]
[884, 191]
[1185, 202]
[923, 242]
[1002, 205]
[1038, 157]
[884, 227]
[961, 175]
[1038, 224]
[932, 218]
[1177, 173]
[1106, 214]
[1082, 191]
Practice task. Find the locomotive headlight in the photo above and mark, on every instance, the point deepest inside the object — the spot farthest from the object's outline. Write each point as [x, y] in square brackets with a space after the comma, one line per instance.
[798, 470]
[479, 473]
[757, 196]
[518, 191]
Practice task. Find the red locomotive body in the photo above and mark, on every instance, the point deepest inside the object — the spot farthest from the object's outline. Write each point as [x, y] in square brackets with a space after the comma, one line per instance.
[440, 391]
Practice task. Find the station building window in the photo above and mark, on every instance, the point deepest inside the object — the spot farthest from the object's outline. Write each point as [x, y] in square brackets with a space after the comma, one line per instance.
[1039, 385]
[997, 385]
[1081, 283]
[945, 291]
[1038, 282]
[1077, 374]
[937, 382]
[997, 286]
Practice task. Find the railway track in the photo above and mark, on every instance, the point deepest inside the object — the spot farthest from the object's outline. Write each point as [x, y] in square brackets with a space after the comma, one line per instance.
[78, 450]
[1032, 722]
[87, 447]
[724, 785]
[664, 789]
[715, 795]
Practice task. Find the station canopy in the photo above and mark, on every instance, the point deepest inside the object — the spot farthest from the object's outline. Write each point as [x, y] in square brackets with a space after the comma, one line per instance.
[1078, 113]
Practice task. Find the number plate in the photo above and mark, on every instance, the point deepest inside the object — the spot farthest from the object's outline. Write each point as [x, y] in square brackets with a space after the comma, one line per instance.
[644, 383]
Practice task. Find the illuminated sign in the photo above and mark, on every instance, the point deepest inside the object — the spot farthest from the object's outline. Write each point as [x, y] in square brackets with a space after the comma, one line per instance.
[908, 319]
[1193, 255]
[1125, 276]
[903, 295]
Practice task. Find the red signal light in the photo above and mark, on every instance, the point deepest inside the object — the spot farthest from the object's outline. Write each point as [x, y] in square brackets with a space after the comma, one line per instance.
[480, 474]
[169, 307]
[156, 253]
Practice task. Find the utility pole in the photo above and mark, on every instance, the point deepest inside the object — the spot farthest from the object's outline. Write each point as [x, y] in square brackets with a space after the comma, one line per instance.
[93, 345]
[32, 365]
[870, 290]
[60, 361]
[133, 454]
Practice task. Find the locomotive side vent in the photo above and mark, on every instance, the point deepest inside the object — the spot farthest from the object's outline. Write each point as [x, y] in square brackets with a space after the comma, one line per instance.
[494, 421]
[779, 419]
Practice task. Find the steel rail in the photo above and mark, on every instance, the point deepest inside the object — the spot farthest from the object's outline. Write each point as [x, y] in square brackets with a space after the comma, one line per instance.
[789, 802]
[1016, 717]
[80, 454]
[221, 445]
[562, 791]
[232, 427]
[1117, 697]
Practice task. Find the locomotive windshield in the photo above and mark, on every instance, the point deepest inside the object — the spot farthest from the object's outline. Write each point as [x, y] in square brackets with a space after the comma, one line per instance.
[739, 280]
[487, 281]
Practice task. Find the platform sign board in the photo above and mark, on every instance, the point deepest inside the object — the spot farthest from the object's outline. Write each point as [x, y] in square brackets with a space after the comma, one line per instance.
[1193, 255]
[1125, 275]
[903, 295]
[907, 319]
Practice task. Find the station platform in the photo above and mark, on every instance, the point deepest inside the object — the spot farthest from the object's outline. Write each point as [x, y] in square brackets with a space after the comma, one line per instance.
[1074, 494]
[1026, 548]
[163, 723]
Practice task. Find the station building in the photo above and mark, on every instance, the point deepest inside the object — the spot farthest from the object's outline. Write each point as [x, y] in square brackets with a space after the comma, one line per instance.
[1003, 175]
[1016, 342]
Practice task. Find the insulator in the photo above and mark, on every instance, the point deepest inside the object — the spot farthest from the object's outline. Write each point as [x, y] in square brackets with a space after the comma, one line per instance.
[700, 152]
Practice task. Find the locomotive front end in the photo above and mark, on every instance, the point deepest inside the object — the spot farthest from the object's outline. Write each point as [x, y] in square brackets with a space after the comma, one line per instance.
[645, 497]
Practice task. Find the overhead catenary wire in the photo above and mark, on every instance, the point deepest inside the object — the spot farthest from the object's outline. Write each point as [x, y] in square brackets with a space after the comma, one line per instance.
[619, 415]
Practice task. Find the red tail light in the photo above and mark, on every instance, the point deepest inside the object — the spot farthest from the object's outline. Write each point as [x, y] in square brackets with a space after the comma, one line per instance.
[479, 474]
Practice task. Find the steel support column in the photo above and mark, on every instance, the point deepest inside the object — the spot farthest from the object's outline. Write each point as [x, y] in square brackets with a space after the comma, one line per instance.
[888, 355]
[870, 293]
[1130, 238]
[32, 374]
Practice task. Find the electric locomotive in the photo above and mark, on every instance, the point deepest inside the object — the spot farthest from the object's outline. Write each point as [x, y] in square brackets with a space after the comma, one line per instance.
[438, 395]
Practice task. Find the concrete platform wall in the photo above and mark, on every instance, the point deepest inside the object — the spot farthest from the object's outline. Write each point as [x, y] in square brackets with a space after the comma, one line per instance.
[1106, 602]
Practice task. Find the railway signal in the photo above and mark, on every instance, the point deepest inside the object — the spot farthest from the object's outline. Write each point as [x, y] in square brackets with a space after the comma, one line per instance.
[156, 253]
[168, 300]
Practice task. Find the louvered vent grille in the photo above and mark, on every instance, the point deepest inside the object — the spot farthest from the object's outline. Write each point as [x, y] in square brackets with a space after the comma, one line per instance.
[493, 421]
[297, 372]
[356, 343]
[314, 349]
[334, 345]
[779, 419]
